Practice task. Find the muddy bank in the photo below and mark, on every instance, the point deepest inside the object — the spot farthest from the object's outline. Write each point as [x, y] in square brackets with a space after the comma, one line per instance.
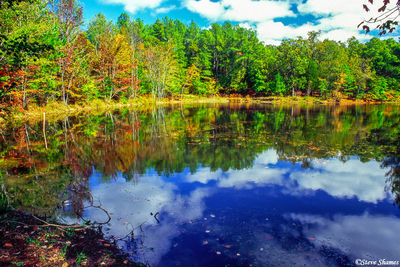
[27, 241]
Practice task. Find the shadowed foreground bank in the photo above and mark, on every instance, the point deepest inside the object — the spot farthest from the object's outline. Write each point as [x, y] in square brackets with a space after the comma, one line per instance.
[27, 241]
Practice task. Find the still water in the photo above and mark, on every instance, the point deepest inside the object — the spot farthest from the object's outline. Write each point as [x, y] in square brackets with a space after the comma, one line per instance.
[220, 185]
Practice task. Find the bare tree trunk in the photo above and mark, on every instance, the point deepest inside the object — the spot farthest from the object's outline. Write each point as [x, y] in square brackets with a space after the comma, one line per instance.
[24, 90]
[44, 129]
[309, 88]
[62, 82]
[28, 142]
[293, 88]
[133, 78]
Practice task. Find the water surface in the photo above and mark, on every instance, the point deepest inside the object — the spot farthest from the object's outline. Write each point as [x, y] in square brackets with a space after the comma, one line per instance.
[220, 185]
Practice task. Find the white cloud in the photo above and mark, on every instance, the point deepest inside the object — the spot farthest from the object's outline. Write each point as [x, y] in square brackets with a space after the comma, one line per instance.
[247, 25]
[203, 175]
[338, 20]
[273, 32]
[167, 9]
[338, 27]
[211, 10]
[131, 205]
[350, 179]
[352, 234]
[240, 10]
[133, 6]
[365, 181]
[260, 174]
[326, 7]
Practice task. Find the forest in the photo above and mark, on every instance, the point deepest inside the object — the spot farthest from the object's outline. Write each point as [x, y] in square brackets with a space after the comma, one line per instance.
[48, 54]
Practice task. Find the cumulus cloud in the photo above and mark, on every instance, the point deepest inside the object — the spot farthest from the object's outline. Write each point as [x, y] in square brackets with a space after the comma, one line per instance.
[131, 205]
[330, 7]
[364, 181]
[204, 175]
[240, 10]
[167, 9]
[352, 234]
[273, 33]
[337, 20]
[260, 174]
[351, 179]
[133, 6]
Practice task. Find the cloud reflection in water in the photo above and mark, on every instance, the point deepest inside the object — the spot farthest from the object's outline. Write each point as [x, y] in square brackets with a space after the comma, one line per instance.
[132, 204]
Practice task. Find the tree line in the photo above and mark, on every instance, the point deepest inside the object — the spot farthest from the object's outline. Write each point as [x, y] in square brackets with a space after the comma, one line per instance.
[46, 54]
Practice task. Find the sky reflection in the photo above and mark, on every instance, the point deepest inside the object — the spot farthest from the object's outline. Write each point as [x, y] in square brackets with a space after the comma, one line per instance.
[274, 214]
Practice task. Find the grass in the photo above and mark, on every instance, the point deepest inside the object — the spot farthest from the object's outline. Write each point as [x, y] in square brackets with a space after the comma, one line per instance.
[56, 110]
[81, 259]
[63, 252]
[20, 263]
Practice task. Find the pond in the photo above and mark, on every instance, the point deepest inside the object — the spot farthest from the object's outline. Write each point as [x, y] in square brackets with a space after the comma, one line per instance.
[219, 185]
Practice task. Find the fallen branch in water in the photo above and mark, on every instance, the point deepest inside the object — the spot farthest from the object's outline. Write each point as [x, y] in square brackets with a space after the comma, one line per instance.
[62, 227]
[101, 208]
[155, 217]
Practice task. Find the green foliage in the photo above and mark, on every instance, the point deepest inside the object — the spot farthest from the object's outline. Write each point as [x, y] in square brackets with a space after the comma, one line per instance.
[45, 56]
[280, 86]
[378, 88]
[81, 258]
[323, 86]
[349, 86]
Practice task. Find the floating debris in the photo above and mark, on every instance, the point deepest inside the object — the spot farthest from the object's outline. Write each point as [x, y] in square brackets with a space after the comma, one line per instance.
[208, 231]
[218, 252]
[238, 254]
[205, 242]
[261, 249]
[212, 215]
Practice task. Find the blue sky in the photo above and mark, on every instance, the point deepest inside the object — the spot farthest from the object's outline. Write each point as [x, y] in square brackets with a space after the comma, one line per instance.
[273, 20]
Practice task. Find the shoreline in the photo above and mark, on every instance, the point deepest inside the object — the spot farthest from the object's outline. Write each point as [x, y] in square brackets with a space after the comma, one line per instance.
[27, 240]
[56, 110]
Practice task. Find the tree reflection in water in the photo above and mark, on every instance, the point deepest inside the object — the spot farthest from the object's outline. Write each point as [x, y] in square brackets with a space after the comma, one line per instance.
[169, 140]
